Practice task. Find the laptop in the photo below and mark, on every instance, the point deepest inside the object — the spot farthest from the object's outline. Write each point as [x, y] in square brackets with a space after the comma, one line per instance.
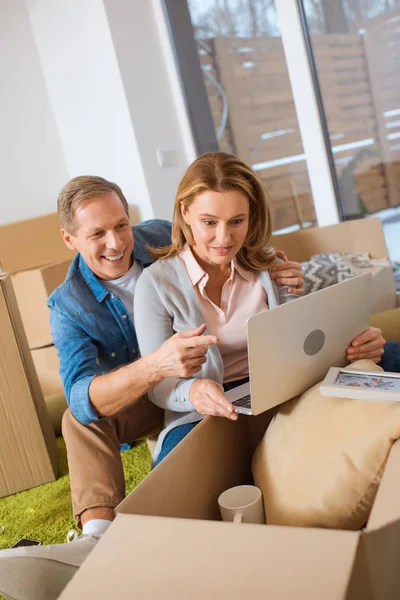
[292, 347]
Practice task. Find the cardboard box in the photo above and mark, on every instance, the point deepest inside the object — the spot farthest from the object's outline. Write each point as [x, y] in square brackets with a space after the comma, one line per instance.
[358, 236]
[167, 540]
[28, 451]
[32, 243]
[47, 365]
[32, 289]
[34, 252]
[383, 289]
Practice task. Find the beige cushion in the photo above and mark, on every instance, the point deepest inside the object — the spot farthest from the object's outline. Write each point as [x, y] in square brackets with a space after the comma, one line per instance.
[320, 461]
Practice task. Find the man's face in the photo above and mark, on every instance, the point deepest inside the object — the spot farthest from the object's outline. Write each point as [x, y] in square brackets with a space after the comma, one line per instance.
[103, 236]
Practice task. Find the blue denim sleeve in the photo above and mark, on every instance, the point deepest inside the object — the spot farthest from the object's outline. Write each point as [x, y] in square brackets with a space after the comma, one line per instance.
[163, 232]
[78, 366]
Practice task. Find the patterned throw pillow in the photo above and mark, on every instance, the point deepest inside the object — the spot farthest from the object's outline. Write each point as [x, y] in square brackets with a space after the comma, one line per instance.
[323, 270]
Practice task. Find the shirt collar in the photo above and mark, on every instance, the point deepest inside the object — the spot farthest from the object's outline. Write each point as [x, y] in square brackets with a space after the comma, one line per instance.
[247, 275]
[194, 270]
[196, 273]
[95, 285]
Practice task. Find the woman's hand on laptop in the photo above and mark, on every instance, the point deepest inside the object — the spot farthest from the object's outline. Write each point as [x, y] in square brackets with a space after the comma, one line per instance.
[288, 273]
[208, 399]
[367, 345]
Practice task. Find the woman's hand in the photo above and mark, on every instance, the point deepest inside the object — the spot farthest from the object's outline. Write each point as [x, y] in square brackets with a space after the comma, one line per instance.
[208, 399]
[288, 273]
[367, 345]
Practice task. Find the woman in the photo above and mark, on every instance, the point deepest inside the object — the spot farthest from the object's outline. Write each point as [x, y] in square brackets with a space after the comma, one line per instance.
[216, 271]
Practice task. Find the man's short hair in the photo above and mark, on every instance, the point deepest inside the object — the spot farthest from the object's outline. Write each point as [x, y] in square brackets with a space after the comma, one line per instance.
[83, 188]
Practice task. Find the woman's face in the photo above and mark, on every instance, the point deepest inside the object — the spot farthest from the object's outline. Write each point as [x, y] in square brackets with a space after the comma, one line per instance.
[219, 223]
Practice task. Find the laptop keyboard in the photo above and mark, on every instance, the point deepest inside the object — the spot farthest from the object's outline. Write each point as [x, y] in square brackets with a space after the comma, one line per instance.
[243, 402]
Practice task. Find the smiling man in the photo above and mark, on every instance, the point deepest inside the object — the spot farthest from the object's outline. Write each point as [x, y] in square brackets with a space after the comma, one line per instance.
[105, 380]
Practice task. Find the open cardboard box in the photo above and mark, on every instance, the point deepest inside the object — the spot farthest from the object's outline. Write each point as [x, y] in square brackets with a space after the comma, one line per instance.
[167, 540]
[358, 236]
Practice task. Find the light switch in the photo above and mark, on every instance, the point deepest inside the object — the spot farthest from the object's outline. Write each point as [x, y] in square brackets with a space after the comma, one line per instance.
[166, 157]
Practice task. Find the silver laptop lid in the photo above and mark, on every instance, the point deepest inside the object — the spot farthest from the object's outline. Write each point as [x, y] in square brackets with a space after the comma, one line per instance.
[292, 347]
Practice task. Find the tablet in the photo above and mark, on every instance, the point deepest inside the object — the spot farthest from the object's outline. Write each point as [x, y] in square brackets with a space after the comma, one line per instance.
[363, 385]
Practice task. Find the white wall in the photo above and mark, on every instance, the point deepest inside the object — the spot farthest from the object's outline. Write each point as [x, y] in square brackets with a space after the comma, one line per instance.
[32, 165]
[153, 95]
[88, 87]
[87, 95]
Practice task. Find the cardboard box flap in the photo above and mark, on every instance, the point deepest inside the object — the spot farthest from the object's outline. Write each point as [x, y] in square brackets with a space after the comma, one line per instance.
[381, 541]
[381, 549]
[386, 508]
[175, 492]
[143, 557]
[32, 243]
[360, 235]
[359, 584]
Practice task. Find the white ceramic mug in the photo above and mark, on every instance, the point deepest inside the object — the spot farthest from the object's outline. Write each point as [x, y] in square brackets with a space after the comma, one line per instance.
[242, 504]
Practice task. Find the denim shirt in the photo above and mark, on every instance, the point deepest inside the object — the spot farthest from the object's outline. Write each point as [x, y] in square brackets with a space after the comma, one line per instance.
[91, 328]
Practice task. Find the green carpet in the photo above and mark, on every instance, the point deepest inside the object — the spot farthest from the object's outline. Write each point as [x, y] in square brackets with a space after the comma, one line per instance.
[44, 513]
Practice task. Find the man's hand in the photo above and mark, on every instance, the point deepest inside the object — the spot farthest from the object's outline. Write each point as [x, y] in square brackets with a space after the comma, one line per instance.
[288, 273]
[208, 399]
[367, 345]
[183, 354]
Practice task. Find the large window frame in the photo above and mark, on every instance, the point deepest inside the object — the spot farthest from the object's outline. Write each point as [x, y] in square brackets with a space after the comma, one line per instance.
[305, 89]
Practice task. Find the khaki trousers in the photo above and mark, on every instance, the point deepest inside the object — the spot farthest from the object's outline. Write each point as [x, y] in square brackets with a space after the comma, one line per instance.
[94, 459]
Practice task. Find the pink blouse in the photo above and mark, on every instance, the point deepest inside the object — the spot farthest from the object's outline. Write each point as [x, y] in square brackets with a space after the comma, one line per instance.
[242, 296]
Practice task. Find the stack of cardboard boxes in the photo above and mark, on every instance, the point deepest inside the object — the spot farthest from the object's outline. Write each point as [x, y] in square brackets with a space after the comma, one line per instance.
[28, 451]
[34, 254]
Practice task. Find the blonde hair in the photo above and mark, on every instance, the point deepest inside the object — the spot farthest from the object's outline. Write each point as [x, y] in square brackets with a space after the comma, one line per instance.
[220, 172]
[83, 188]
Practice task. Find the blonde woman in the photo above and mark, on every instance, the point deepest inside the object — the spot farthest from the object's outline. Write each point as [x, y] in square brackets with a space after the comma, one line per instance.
[217, 271]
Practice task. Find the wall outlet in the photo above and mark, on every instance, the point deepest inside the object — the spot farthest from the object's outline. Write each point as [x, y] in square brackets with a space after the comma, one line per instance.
[167, 157]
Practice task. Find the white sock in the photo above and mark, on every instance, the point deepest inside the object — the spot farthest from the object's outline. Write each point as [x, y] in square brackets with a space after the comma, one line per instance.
[96, 527]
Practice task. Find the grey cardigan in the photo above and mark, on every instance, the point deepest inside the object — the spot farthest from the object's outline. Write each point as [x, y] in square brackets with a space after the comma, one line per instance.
[166, 303]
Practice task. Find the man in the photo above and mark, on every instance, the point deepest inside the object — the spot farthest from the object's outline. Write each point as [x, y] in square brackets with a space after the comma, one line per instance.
[104, 379]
